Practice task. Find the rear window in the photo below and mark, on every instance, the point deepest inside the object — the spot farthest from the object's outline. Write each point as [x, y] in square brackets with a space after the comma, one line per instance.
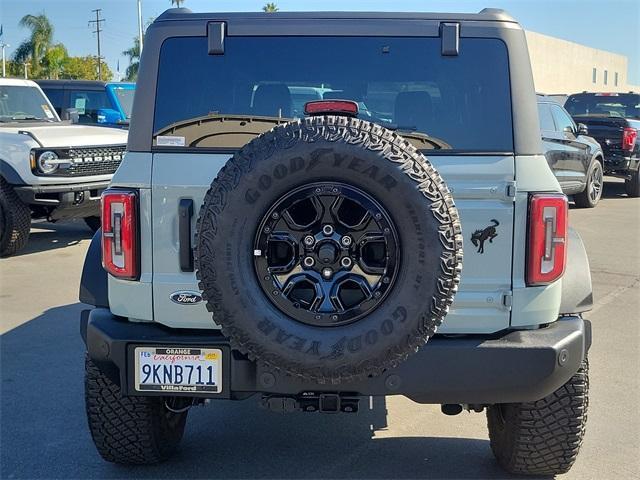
[622, 105]
[402, 83]
[88, 102]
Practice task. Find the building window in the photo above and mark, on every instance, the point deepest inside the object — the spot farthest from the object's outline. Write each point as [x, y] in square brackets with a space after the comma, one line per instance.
[595, 75]
[605, 77]
[615, 79]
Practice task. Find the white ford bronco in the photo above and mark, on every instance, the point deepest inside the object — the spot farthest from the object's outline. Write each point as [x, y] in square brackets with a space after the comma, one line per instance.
[49, 169]
[290, 218]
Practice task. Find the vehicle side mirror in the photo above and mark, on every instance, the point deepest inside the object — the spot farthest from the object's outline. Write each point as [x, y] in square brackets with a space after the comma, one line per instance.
[71, 114]
[583, 129]
[108, 116]
[570, 130]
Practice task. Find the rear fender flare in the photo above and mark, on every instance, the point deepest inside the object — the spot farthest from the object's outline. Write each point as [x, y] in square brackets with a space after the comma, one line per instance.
[93, 283]
[577, 292]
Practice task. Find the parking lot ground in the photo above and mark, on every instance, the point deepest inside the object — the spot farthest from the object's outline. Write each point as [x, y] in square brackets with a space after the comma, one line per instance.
[43, 431]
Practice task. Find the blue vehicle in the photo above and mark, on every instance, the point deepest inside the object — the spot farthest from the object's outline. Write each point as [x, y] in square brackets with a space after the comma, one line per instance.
[94, 102]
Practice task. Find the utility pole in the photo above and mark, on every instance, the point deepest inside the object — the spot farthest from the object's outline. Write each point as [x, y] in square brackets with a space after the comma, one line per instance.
[140, 24]
[4, 69]
[26, 69]
[98, 21]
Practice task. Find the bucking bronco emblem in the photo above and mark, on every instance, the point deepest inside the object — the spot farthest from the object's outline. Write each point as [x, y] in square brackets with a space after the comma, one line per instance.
[480, 236]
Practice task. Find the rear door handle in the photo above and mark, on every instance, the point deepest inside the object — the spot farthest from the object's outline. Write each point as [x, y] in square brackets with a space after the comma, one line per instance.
[185, 212]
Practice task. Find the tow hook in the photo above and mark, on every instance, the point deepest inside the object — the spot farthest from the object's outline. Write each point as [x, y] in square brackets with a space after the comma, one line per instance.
[311, 402]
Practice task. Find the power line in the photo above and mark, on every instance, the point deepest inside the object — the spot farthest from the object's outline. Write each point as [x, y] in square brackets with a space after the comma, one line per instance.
[97, 31]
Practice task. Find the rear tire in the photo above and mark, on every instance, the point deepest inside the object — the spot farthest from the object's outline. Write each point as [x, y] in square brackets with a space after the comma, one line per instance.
[129, 430]
[542, 437]
[94, 223]
[632, 185]
[15, 221]
[592, 192]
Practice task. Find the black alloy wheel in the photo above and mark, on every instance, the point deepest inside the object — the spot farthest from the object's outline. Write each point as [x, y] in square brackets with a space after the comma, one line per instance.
[326, 254]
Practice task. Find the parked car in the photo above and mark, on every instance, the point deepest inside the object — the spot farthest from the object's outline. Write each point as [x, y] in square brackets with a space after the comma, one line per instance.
[575, 158]
[95, 102]
[48, 168]
[613, 120]
[314, 261]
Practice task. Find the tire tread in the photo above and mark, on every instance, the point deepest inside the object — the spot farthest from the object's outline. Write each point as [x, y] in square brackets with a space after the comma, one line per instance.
[542, 437]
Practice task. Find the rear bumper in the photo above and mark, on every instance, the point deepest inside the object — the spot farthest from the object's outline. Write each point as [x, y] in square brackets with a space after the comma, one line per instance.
[73, 200]
[515, 366]
[619, 164]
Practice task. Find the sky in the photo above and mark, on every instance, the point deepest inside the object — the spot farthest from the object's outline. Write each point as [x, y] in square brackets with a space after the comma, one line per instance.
[612, 25]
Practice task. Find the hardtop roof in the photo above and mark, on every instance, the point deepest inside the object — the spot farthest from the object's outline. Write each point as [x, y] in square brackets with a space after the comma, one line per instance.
[486, 15]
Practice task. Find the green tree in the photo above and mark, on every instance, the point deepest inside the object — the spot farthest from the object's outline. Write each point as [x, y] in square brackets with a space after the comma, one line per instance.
[53, 60]
[15, 69]
[84, 68]
[38, 43]
[133, 54]
[270, 8]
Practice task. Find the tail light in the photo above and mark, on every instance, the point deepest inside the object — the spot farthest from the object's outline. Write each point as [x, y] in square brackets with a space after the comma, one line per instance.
[629, 137]
[328, 107]
[547, 250]
[120, 255]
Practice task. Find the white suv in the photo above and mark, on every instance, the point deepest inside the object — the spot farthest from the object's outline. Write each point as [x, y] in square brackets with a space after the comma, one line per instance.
[48, 168]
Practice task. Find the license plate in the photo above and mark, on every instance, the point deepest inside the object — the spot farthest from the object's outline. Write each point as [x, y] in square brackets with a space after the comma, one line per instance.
[178, 370]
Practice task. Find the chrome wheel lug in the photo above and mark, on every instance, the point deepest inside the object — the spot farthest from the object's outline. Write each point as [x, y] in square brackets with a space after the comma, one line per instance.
[309, 240]
[308, 262]
[327, 230]
[346, 240]
[346, 262]
[327, 272]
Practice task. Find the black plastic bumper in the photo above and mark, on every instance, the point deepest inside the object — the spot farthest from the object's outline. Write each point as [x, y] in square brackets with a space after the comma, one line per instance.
[515, 366]
[618, 164]
[73, 200]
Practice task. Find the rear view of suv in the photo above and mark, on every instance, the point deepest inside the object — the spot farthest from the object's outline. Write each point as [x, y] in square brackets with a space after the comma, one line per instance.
[311, 252]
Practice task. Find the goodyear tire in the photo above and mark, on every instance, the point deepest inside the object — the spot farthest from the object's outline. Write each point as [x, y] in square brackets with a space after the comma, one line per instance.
[130, 430]
[383, 179]
[15, 221]
[542, 437]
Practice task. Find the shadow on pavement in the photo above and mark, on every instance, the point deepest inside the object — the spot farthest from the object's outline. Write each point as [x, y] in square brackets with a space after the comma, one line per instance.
[44, 432]
[614, 189]
[51, 236]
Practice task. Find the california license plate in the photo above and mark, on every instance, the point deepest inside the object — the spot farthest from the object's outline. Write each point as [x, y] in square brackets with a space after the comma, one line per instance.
[178, 370]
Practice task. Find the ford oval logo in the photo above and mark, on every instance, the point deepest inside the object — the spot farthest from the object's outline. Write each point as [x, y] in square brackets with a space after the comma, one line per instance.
[186, 298]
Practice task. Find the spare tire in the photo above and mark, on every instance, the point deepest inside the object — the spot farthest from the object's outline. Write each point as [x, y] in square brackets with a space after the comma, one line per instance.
[328, 248]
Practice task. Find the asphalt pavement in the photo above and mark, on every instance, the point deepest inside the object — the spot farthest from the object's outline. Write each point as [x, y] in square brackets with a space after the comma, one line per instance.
[43, 432]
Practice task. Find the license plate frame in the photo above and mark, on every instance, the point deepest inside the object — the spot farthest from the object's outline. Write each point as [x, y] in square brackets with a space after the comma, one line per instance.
[172, 356]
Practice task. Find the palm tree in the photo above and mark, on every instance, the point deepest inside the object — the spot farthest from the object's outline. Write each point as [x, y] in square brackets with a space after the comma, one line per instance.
[40, 40]
[270, 8]
[177, 3]
[134, 59]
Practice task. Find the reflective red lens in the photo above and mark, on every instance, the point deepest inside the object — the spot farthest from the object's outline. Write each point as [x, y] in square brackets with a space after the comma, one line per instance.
[339, 107]
[547, 249]
[629, 137]
[120, 233]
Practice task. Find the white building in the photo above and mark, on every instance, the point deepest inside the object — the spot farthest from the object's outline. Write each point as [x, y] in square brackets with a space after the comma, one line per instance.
[560, 66]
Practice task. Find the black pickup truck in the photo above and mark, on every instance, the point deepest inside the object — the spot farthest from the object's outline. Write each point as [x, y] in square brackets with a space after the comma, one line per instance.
[613, 119]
